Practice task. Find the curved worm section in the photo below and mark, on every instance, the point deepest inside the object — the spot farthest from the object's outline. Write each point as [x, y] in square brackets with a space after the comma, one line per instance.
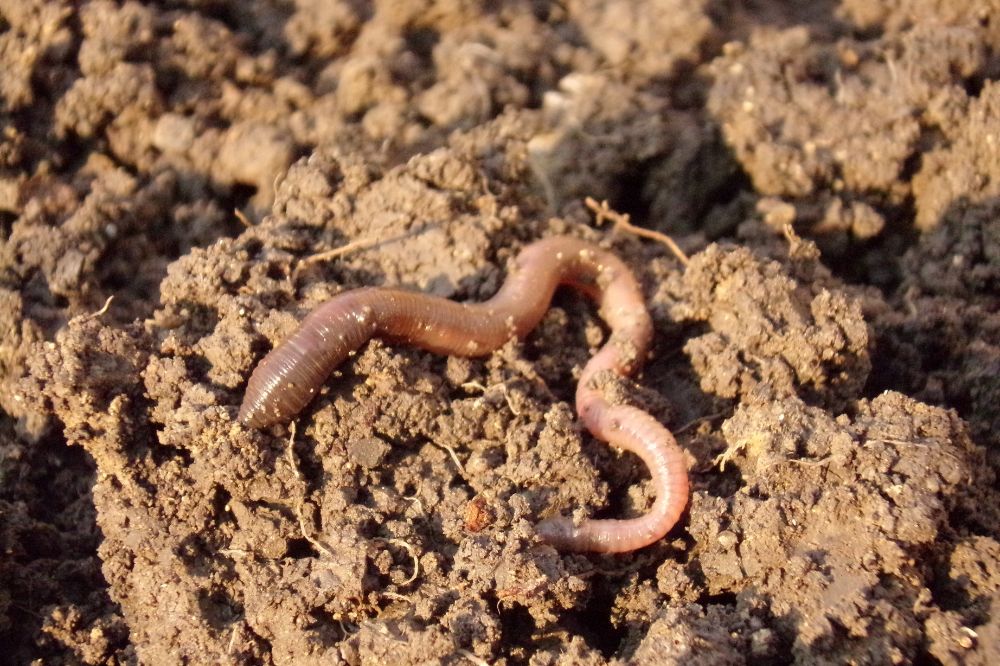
[291, 374]
[633, 430]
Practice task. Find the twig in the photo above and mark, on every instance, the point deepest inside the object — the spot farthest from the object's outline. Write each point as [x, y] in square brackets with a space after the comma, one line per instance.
[306, 533]
[360, 244]
[621, 221]
[417, 502]
[454, 456]
[242, 218]
[290, 452]
[477, 386]
[232, 637]
[104, 308]
[413, 554]
[701, 419]
[800, 461]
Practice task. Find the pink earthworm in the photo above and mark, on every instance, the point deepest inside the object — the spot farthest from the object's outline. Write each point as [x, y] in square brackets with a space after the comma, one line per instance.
[287, 379]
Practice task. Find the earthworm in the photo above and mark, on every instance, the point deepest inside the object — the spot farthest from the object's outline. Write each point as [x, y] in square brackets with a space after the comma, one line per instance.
[286, 380]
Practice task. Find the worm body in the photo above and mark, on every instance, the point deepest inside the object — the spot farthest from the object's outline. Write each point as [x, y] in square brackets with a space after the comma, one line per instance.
[290, 375]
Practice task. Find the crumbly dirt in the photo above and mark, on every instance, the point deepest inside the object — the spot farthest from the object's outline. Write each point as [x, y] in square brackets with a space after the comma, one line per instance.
[829, 357]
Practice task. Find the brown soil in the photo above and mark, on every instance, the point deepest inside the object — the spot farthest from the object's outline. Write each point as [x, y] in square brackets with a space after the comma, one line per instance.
[830, 358]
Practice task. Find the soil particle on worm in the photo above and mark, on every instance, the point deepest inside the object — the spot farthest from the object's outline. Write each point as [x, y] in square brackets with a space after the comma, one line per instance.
[829, 358]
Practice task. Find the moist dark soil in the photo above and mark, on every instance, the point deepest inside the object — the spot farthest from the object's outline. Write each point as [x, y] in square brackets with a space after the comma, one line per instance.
[829, 356]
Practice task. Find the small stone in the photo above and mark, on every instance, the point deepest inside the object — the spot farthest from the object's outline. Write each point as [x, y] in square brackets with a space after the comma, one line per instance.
[173, 133]
[368, 452]
[762, 642]
[727, 539]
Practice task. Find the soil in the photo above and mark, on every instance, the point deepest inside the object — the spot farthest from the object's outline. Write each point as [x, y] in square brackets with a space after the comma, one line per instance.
[829, 358]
